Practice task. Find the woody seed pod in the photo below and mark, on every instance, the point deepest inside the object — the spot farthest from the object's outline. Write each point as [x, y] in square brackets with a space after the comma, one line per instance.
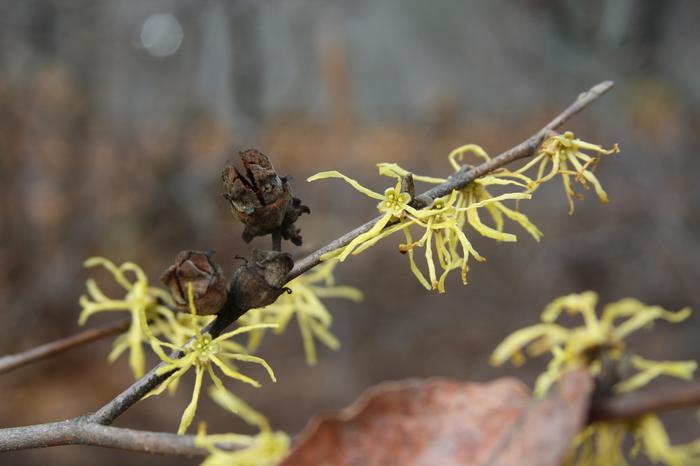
[261, 199]
[208, 283]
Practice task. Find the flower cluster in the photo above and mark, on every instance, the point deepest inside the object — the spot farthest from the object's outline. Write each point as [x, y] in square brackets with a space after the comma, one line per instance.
[147, 306]
[596, 345]
[304, 301]
[562, 154]
[443, 221]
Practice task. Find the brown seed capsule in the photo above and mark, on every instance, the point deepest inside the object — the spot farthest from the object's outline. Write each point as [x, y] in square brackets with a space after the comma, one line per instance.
[261, 199]
[209, 288]
[261, 279]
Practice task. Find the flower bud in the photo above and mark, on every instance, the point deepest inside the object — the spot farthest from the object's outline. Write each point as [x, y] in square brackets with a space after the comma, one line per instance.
[208, 283]
[261, 199]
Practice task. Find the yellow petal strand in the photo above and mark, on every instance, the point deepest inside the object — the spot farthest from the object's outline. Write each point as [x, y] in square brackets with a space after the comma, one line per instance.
[602, 195]
[388, 231]
[112, 268]
[457, 155]
[393, 170]
[496, 215]
[229, 401]
[244, 329]
[340, 291]
[121, 344]
[539, 158]
[489, 180]
[570, 194]
[520, 338]
[368, 235]
[234, 374]
[623, 308]
[307, 339]
[475, 221]
[429, 259]
[94, 291]
[553, 372]
[137, 358]
[322, 333]
[414, 267]
[253, 359]
[520, 219]
[131, 267]
[191, 409]
[502, 197]
[649, 370]
[646, 316]
[657, 446]
[163, 386]
[350, 181]
[556, 160]
[573, 302]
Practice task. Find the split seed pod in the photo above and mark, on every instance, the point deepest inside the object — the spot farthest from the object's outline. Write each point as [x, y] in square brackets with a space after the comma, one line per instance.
[261, 199]
[196, 268]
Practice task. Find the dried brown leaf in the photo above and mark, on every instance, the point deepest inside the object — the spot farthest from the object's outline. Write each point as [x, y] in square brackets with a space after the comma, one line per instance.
[446, 422]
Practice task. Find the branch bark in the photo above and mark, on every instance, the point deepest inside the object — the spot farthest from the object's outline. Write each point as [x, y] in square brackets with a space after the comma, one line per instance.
[660, 400]
[13, 361]
[85, 430]
[78, 431]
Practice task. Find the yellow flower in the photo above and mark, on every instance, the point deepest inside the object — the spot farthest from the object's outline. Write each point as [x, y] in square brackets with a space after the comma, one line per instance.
[588, 345]
[204, 353]
[181, 328]
[564, 156]
[265, 449]
[304, 301]
[143, 302]
[603, 442]
[393, 204]
[445, 219]
[601, 339]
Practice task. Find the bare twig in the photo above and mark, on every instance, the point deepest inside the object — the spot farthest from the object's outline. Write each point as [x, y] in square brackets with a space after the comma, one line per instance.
[80, 432]
[660, 400]
[26, 437]
[13, 361]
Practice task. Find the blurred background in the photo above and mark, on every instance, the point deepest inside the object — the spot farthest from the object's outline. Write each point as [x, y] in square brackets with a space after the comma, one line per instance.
[116, 118]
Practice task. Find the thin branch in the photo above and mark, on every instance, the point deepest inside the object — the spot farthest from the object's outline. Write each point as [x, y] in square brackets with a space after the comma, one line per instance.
[660, 400]
[21, 438]
[80, 432]
[463, 178]
[13, 361]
